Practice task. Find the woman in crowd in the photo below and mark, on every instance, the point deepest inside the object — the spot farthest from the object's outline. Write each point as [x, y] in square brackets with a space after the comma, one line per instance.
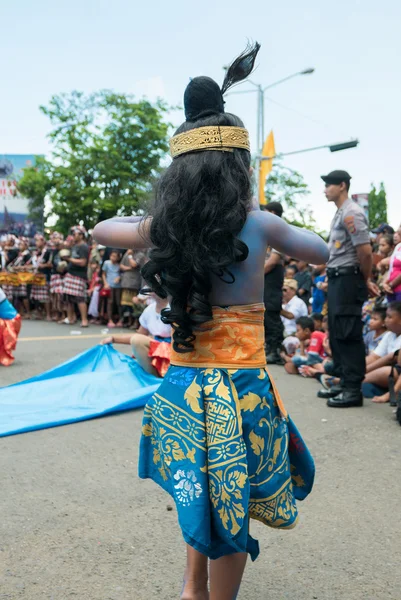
[131, 278]
[392, 283]
[218, 449]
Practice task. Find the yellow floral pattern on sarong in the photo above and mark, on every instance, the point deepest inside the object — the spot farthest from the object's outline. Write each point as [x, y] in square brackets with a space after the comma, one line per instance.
[220, 442]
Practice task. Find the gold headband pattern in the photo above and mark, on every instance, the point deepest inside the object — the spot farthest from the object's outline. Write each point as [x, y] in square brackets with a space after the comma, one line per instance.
[214, 137]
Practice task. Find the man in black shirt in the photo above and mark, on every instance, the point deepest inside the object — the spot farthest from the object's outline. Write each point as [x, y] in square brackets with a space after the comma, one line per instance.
[76, 280]
[273, 297]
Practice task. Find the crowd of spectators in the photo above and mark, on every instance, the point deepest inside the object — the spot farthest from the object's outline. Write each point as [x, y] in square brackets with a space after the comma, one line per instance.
[81, 280]
[305, 345]
[71, 279]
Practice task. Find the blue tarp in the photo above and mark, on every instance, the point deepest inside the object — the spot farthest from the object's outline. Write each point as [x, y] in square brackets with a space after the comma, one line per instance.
[97, 382]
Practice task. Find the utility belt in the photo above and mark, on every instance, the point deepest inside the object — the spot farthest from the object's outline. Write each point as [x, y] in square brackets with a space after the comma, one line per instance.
[333, 272]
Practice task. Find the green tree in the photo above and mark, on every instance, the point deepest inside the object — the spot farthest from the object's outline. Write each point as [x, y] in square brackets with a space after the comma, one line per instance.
[377, 206]
[106, 152]
[288, 187]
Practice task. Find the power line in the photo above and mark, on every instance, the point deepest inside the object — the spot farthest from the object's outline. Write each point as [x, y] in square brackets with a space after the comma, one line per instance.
[294, 110]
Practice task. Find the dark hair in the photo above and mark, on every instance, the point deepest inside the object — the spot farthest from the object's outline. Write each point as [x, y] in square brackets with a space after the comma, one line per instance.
[274, 207]
[293, 267]
[114, 251]
[395, 306]
[388, 237]
[305, 323]
[380, 311]
[201, 205]
[317, 317]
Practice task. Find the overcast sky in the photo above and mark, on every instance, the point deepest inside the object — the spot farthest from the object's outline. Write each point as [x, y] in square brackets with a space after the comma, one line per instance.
[153, 48]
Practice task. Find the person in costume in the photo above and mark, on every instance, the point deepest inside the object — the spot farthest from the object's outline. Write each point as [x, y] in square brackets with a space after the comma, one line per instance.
[44, 264]
[151, 345]
[22, 263]
[10, 325]
[216, 435]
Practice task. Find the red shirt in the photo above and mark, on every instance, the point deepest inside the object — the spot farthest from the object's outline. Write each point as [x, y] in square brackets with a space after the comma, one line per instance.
[316, 343]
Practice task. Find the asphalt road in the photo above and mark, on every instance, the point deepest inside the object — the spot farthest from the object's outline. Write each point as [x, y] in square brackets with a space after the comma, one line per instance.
[77, 523]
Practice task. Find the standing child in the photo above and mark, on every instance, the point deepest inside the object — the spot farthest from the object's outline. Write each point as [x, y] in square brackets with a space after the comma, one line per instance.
[94, 291]
[111, 282]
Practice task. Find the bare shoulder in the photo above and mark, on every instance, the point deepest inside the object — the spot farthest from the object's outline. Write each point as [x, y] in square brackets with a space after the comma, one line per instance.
[288, 239]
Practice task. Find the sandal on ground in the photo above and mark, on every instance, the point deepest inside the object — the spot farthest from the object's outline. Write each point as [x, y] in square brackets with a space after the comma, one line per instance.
[67, 322]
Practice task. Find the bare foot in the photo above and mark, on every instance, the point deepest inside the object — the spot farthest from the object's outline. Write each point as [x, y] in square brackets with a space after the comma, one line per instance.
[381, 399]
[195, 590]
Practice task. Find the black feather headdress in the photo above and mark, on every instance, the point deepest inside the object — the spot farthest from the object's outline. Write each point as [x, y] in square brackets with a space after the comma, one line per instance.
[203, 96]
[241, 68]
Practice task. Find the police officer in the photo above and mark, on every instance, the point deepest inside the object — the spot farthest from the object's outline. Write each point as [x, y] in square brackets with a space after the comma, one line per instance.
[348, 271]
[273, 297]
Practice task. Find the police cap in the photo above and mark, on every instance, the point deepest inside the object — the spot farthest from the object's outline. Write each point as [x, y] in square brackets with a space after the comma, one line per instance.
[337, 177]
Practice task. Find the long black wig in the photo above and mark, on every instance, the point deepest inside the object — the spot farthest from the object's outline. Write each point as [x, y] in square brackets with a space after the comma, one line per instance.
[201, 205]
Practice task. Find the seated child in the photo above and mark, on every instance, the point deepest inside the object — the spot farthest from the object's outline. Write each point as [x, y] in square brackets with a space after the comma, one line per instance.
[377, 329]
[311, 351]
[151, 345]
[379, 363]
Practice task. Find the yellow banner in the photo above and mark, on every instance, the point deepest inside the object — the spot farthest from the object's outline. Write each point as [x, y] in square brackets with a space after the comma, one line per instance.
[266, 166]
[22, 278]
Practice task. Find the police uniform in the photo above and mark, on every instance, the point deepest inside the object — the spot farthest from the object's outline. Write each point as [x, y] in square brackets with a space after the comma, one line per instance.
[347, 291]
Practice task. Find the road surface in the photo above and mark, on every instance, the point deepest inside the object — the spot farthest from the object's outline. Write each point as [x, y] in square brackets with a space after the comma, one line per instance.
[77, 523]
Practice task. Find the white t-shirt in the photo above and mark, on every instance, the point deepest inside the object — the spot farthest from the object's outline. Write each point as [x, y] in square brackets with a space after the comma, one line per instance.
[298, 308]
[151, 320]
[389, 344]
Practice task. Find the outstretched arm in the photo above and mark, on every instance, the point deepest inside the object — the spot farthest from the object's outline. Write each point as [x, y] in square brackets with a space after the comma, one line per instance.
[124, 232]
[293, 241]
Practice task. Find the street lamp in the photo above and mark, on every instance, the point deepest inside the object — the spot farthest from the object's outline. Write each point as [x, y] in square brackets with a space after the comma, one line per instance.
[331, 147]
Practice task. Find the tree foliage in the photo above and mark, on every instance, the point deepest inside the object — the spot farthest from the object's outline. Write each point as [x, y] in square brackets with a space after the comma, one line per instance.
[107, 149]
[377, 206]
[288, 187]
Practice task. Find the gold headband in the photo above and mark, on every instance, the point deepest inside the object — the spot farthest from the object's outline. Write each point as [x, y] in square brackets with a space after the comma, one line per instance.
[214, 137]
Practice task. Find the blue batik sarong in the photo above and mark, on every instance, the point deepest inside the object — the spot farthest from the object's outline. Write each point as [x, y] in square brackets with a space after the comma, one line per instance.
[219, 441]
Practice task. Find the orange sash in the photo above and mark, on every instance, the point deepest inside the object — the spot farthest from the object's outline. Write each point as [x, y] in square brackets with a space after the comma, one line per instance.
[233, 339]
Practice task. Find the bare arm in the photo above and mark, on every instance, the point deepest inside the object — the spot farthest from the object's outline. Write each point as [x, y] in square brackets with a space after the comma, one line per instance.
[364, 253]
[286, 314]
[105, 284]
[296, 242]
[124, 232]
[381, 362]
[79, 262]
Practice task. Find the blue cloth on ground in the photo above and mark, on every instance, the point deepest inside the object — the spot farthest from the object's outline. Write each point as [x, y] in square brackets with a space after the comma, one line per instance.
[98, 382]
